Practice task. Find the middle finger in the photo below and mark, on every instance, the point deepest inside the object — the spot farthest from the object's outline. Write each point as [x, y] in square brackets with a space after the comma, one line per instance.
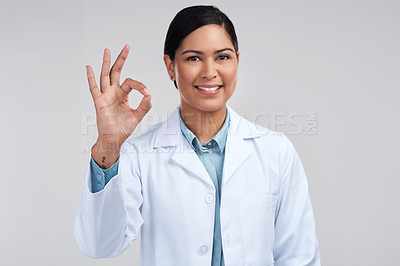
[105, 70]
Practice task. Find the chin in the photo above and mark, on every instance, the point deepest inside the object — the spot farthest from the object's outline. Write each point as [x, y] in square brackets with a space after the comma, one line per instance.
[210, 106]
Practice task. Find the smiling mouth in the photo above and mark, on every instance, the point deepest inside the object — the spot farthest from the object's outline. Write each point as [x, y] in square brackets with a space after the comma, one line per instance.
[214, 88]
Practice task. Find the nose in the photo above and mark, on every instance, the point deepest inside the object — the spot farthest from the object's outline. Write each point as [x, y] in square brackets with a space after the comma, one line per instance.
[209, 70]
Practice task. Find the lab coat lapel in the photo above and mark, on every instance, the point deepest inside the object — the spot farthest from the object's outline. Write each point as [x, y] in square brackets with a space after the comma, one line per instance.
[169, 136]
[236, 152]
[189, 160]
[236, 148]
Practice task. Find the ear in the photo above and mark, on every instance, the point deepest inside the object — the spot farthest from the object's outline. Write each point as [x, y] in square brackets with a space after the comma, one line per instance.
[169, 64]
[237, 56]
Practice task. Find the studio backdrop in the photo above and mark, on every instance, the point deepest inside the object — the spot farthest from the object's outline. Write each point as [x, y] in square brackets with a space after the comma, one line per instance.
[326, 73]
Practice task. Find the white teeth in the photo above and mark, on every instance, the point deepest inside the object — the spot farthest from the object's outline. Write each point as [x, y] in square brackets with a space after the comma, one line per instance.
[208, 89]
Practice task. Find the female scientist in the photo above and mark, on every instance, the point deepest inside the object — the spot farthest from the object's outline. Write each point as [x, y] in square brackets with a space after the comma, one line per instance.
[206, 186]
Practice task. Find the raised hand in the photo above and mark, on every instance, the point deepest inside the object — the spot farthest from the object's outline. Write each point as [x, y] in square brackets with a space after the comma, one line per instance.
[116, 120]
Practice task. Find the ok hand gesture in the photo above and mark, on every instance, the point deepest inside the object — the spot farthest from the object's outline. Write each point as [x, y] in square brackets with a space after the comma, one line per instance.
[116, 120]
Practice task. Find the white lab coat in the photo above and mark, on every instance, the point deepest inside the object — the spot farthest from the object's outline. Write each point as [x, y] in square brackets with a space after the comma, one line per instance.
[163, 189]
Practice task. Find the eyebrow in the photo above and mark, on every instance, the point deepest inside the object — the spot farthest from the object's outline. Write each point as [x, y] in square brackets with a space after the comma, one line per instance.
[199, 52]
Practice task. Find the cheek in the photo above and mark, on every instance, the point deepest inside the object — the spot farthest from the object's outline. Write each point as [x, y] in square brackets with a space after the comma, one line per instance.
[186, 74]
[230, 74]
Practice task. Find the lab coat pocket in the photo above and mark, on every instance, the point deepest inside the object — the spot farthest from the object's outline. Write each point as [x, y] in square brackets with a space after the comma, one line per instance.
[257, 216]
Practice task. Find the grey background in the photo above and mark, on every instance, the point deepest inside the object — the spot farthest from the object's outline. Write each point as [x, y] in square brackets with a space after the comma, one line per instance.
[339, 60]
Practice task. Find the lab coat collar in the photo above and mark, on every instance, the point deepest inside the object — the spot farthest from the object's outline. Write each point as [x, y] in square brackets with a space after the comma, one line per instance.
[219, 138]
[169, 134]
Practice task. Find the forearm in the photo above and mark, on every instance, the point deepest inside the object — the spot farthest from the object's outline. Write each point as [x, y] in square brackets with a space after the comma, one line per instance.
[103, 226]
[100, 224]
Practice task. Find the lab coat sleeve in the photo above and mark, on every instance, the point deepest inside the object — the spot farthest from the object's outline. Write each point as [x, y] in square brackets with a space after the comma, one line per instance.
[107, 221]
[296, 243]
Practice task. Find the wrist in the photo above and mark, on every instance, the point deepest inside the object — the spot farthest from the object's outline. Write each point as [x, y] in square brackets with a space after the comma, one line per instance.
[105, 154]
[107, 146]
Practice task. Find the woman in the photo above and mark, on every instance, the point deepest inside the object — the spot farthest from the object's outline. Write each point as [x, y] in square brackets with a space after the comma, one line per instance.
[206, 187]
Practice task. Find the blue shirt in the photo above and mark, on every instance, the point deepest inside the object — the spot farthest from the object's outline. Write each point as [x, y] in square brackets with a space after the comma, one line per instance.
[211, 154]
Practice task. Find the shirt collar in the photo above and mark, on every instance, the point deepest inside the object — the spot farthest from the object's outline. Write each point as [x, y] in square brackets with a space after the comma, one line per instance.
[219, 138]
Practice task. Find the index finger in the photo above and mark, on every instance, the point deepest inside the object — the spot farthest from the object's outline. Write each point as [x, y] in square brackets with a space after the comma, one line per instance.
[119, 63]
[129, 84]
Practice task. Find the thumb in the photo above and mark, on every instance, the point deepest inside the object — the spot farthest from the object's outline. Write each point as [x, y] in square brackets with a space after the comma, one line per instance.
[143, 108]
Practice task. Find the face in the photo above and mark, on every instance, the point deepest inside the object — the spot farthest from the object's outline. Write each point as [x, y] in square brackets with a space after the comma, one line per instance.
[205, 69]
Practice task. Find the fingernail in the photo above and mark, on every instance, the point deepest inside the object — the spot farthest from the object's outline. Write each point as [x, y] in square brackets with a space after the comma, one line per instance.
[146, 91]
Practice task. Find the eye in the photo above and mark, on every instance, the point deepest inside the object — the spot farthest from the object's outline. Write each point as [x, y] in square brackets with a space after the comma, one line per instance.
[223, 57]
[193, 58]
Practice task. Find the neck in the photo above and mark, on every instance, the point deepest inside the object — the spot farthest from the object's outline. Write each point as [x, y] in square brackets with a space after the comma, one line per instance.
[204, 125]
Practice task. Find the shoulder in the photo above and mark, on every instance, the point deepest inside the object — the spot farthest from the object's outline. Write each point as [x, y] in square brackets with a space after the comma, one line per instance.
[272, 140]
[249, 130]
[166, 133]
[266, 141]
[145, 138]
[275, 147]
